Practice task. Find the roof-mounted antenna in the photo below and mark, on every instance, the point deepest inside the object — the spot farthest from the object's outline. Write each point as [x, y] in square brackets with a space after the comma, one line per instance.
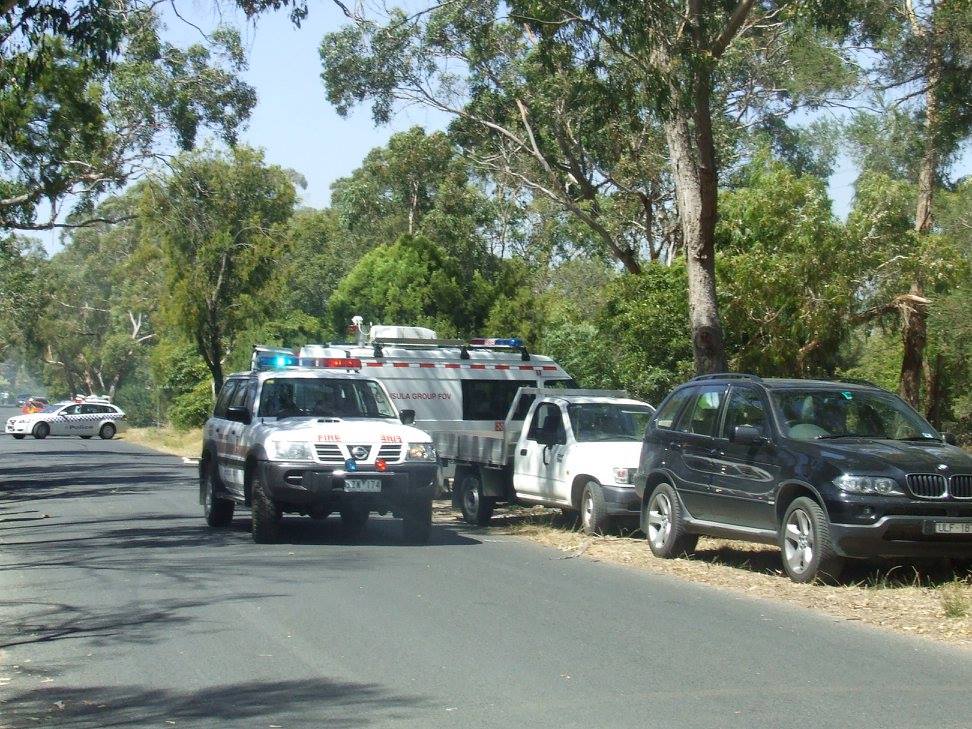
[357, 323]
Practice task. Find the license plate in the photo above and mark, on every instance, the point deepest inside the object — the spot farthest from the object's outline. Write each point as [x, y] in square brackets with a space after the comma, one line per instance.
[952, 528]
[363, 485]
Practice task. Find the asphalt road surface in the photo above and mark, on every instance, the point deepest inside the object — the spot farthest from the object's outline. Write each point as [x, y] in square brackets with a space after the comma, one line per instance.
[119, 607]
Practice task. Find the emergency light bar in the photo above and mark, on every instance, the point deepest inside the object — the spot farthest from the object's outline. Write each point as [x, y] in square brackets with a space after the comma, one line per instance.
[335, 363]
[270, 358]
[513, 342]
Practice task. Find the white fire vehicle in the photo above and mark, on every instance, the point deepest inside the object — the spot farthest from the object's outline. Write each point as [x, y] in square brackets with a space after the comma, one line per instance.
[456, 388]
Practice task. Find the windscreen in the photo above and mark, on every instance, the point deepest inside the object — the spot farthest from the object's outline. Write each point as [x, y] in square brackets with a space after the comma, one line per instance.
[288, 397]
[608, 421]
[817, 414]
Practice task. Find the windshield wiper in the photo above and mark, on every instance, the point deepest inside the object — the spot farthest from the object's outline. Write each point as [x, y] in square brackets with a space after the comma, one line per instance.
[832, 437]
[919, 438]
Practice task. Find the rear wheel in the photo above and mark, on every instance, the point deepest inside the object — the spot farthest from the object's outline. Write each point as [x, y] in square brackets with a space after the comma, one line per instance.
[417, 522]
[808, 548]
[265, 515]
[663, 523]
[476, 508]
[593, 511]
[107, 431]
[218, 511]
[354, 519]
[41, 431]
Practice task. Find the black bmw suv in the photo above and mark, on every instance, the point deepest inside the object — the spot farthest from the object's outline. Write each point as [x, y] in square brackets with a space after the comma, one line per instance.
[825, 470]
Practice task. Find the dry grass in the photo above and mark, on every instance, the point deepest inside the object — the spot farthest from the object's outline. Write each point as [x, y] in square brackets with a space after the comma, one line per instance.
[168, 440]
[930, 600]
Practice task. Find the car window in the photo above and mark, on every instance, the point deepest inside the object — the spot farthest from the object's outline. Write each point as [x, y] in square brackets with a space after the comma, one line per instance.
[239, 395]
[90, 409]
[608, 421]
[288, 397]
[849, 413]
[222, 402]
[745, 407]
[71, 410]
[671, 407]
[547, 420]
[703, 413]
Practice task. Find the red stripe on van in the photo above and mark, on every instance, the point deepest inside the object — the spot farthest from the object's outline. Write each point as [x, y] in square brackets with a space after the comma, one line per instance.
[451, 366]
[550, 367]
[426, 364]
[400, 364]
[502, 367]
[375, 364]
[477, 367]
[526, 367]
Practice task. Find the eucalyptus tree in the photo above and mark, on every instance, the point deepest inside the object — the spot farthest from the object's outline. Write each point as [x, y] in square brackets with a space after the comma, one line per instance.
[91, 95]
[922, 53]
[219, 222]
[609, 109]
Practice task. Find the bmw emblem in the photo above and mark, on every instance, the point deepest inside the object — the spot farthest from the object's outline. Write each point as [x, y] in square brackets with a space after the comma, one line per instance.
[942, 467]
[359, 453]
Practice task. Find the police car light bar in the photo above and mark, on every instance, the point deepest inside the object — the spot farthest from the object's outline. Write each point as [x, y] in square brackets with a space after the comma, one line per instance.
[271, 358]
[513, 342]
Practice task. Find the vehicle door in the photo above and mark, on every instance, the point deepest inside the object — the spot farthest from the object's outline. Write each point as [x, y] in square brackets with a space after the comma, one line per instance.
[67, 421]
[744, 484]
[233, 436]
[217, 432]
[552, 480]
[91, 418]
[534, 453]
[692, 443]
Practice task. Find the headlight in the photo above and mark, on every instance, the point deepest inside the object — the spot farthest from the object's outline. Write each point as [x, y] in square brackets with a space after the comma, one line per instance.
[623, 475]
[868, 485]
[289, 450]
[420, 452]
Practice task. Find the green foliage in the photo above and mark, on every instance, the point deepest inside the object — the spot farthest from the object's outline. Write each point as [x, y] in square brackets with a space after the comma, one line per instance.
[85, 98]
[413, 281]
[319, 256]
[877, 358]
[190, 409]
[217, 219]
[21, 285]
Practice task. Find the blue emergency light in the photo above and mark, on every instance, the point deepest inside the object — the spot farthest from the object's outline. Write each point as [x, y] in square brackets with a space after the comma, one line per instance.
[266, 358]
[513, 342]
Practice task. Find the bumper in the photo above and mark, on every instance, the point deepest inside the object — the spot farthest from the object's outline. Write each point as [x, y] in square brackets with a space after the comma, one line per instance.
[20, 428]
[903, 536]
[621, 500]
[314, 488]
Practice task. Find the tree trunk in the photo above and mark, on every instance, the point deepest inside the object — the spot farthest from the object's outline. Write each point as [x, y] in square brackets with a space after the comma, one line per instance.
[914, 317]
[692, 151]
[934, 395]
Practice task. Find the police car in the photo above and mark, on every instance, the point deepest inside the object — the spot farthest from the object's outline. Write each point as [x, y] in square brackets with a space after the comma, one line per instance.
[84, 417]
[313, 440]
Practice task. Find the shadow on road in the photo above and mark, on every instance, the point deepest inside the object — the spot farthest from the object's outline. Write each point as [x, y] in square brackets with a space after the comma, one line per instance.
[310, 702]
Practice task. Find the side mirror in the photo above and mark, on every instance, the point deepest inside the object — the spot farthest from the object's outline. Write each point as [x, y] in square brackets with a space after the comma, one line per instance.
[950, 438]
[238, 414]
[407, 417]
[748, 435]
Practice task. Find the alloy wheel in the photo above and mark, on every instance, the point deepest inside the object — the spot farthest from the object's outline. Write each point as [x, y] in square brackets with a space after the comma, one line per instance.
[798, 541]
[659, 520]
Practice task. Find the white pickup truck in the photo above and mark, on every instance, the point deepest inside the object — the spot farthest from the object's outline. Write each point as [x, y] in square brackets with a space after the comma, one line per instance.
[574, 449]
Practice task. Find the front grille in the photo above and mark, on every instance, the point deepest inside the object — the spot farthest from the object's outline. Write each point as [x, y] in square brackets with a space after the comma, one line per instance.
[927, 485]
[329, 453]
[390, 452]
[961, 486]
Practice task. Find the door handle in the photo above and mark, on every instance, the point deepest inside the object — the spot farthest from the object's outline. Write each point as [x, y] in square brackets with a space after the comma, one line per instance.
[523, 451]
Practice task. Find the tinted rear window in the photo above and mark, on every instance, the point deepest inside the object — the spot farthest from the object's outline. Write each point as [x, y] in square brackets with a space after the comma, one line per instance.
[491, 399]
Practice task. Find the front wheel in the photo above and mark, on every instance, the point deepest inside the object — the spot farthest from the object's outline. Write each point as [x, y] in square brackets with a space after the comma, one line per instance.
[19, 436]
[476, 508]
[85, 437]
[808, 549]
[265, 515]
[663, 523]
[41, 431]
[417, 522]
[107, 431]
[593, 511]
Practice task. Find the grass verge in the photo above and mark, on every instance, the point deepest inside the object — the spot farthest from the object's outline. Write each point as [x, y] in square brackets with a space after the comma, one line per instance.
[168, 440]
[931, 599]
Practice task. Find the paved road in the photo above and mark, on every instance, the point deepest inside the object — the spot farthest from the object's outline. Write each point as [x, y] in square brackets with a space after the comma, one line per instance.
[118, 607]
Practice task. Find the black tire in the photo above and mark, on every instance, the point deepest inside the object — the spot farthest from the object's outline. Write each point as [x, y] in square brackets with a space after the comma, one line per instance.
[354, 519]
[594, 518]
[417, 522]
[806, 544]
[18, 436]
[41, 431]
[85, 437]
[476, 508]
[663, 523]
[265, 515]
[107, 431]
[218, 511]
